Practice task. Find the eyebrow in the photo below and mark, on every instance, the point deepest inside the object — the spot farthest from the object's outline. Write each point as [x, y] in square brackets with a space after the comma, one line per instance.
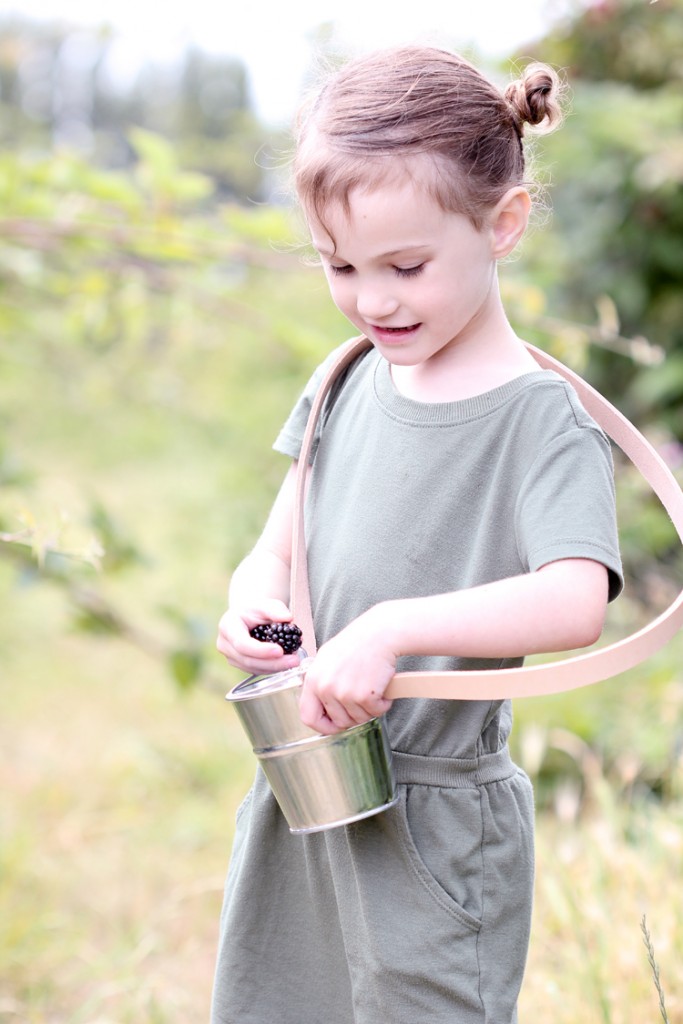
[418, 247]
[399, 251]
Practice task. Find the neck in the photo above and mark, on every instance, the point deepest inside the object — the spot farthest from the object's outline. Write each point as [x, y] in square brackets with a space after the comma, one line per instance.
[482, 358]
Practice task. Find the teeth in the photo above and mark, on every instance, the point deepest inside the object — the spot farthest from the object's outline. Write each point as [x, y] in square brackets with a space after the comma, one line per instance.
[397, 330]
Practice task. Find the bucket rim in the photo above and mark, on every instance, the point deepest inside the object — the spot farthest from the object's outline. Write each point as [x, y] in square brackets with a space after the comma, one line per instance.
[255, 686]
[360, 816]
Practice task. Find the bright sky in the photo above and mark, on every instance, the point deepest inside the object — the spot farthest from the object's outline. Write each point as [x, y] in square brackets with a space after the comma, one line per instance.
[273, 37]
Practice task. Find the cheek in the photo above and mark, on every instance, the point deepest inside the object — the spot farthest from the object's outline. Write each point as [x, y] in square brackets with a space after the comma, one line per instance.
[438, 297]
[341, 292]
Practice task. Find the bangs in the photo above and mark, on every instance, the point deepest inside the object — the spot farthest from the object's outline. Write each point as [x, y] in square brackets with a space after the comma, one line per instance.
[325, 176]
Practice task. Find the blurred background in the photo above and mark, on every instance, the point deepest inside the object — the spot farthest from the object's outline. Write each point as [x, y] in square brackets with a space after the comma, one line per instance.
[158, 319]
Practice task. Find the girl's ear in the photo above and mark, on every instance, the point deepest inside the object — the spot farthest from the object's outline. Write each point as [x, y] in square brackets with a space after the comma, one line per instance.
[509, 221]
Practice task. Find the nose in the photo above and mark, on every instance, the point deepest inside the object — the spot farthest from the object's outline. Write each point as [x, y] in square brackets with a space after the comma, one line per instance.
[374, 301]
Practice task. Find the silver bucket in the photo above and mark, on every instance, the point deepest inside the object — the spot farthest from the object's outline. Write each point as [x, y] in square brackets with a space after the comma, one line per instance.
[319, 781]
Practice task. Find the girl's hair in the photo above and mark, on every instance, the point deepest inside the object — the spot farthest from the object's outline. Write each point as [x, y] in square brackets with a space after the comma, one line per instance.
[416, 102]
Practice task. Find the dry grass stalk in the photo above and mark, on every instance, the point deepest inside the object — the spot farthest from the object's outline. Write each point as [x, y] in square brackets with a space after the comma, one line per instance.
[655, 969]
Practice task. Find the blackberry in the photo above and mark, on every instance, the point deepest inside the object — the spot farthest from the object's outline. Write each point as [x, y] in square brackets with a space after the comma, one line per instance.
[286, 634]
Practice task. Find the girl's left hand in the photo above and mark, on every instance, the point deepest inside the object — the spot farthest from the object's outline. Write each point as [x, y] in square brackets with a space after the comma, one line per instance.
[345, 682]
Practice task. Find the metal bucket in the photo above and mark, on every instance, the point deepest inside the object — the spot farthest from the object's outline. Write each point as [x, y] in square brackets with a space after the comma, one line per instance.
[319, 781]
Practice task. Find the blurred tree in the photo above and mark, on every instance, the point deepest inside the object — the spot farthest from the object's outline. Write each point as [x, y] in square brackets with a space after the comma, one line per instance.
[617, 171]
[636, 42]
[215, 105]
[68, 86]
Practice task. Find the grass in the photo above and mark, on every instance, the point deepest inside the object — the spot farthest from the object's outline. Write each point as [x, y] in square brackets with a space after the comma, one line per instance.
[596, 879]
[118, 801]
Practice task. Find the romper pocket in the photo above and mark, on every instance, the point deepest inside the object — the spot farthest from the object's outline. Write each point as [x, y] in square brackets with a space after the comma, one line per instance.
[441, 835]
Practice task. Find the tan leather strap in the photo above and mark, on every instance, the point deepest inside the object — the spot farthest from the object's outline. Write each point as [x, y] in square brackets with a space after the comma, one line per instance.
[532, 680]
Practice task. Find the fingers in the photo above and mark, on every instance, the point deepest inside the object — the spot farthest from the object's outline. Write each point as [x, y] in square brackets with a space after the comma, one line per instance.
[243, 651]
[328, 709]
[324, 718]
[344, 684]
[272, 610]
[262, 666]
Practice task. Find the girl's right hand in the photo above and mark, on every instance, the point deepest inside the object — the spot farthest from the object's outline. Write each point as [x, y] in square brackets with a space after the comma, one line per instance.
[244, 652]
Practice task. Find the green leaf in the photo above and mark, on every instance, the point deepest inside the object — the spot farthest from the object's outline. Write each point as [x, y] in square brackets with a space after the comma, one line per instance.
[185, 666]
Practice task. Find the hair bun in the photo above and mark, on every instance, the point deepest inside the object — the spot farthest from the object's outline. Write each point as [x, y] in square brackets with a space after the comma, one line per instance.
[534, 98]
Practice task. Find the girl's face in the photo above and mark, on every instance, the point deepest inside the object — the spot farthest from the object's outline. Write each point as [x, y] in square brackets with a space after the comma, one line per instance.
[415, 279]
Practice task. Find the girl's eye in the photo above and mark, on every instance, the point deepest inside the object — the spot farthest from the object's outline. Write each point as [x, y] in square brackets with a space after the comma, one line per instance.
[399, 271]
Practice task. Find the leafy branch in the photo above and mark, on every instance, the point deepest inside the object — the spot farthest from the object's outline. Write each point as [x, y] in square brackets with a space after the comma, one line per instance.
[99, 616]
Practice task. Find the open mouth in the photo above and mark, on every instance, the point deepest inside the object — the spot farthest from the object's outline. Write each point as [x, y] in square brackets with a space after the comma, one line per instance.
[396, 331]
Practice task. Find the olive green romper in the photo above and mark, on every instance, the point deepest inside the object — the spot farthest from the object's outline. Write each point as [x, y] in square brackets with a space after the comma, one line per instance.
[420, 913]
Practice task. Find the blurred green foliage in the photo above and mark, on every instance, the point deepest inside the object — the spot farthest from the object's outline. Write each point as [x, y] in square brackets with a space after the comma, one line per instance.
[617, 174]
[136, 340]
[620, 41]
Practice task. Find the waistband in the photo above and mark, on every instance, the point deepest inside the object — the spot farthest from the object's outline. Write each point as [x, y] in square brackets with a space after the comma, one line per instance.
[452, 772]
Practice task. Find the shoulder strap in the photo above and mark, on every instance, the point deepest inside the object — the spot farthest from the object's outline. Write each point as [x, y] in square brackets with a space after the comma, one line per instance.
[532, 680]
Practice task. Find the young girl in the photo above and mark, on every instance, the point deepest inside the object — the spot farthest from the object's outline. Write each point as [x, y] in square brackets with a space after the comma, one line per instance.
[460, 514]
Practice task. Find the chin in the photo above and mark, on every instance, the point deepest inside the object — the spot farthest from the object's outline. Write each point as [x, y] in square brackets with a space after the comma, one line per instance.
[400, 358]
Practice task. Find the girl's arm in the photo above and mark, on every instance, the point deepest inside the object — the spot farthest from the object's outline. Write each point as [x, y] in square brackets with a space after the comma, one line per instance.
[560, 607]
[259, 592]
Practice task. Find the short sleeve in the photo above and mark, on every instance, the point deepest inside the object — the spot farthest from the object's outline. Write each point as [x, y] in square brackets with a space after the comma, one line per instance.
[566, 507]
[290, 437]
[289, 440]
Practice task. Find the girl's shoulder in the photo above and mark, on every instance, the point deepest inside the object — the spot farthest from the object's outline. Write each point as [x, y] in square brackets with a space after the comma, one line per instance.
[291, 435]
[321, 371]
[549, 390]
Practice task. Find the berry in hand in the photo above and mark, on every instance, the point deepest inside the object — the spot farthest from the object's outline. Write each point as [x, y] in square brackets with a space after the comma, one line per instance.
[286, 634]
